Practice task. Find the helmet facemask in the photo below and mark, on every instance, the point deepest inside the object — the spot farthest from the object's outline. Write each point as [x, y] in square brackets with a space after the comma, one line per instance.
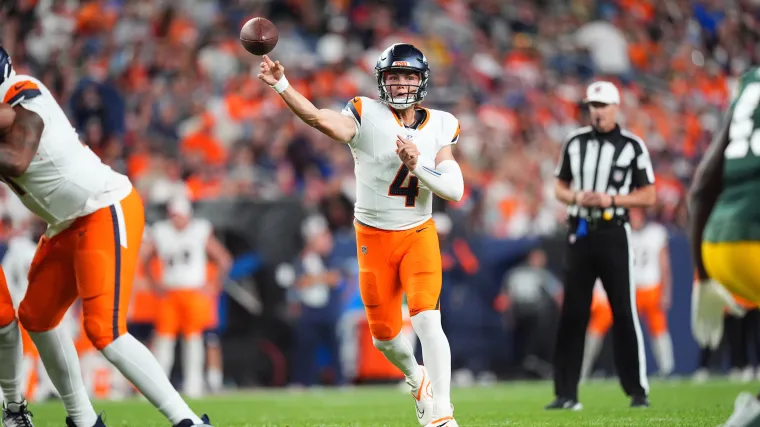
[415, 92]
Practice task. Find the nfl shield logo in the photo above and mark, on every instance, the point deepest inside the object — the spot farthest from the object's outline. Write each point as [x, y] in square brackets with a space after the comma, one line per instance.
[364, 250]
[617, 176]
[572, 239]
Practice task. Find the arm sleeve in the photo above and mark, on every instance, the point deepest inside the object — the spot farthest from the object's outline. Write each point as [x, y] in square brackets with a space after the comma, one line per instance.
[353, 109]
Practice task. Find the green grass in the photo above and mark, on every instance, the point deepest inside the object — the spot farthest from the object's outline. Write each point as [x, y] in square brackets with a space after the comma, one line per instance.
[674, 403]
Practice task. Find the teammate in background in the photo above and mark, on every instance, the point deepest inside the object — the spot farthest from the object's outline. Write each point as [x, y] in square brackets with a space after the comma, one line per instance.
[95, 221]
[651, 259]
[725, 227]
[598, 326]
[403, 156]
[184, 245]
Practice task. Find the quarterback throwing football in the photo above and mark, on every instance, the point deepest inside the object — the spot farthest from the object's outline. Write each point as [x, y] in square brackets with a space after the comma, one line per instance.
[403, 156]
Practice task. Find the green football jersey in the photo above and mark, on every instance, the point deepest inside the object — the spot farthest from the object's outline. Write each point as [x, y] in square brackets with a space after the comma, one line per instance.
[736, 215]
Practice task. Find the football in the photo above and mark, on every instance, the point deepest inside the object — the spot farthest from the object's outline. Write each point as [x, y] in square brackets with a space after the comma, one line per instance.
[7, 115]
[259, 36]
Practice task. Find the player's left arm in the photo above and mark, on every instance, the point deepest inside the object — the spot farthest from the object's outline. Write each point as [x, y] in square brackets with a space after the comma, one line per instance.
[219, 255]
[705, 189]
[18, 144]
[443, 178]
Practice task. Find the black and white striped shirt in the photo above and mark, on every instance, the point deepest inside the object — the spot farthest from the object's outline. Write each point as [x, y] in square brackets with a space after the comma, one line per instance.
[615, 162]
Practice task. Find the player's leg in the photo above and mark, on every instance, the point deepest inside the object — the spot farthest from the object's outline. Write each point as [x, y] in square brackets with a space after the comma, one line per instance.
[649, 305]
[105, 261]
[11, 359]
[213, 344]
[51, 291]
[193, 355]
[599, 325]
[167, 329]
[734, 265]
[382, 295]
[214, 361]
[421, 276]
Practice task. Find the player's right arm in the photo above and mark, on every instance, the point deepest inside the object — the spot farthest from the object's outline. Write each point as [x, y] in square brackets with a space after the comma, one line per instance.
[337, 126]
[704, 192]
[19, 143]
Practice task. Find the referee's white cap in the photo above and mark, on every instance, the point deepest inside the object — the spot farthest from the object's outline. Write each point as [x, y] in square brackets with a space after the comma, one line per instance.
[604, 92]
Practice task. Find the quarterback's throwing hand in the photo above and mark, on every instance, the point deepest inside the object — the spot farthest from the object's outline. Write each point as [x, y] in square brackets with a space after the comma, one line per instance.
[271, 72]
[408, 153]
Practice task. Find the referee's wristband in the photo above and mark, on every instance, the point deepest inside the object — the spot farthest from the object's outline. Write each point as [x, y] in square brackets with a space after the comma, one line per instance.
[612, 203]
[281, 85]
[575, 198]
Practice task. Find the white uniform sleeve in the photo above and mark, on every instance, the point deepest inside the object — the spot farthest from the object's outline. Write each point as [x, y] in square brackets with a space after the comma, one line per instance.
[449, 132]
[353, 109]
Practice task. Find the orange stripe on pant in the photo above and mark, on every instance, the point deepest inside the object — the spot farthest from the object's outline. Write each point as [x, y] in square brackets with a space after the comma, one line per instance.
[94, 259]
[392, 262]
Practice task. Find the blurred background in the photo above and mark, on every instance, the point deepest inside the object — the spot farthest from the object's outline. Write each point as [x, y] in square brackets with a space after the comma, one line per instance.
[163, 92]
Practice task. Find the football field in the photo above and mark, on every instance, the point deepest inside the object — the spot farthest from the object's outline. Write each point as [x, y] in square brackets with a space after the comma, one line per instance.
[674, 403]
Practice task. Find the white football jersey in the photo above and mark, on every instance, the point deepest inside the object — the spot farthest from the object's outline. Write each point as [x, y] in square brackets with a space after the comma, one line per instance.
[388, 197]
[183, 253]
[16, 262]
[647, 244]
[65, 179]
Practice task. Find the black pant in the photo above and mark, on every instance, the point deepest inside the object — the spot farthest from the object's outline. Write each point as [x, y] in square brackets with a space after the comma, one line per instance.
[743, 338]
[603, 253]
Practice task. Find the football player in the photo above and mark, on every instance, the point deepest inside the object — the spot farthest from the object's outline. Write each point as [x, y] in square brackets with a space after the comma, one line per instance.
[95, 223]
[184, 245]
[725, 227]
[403, 155]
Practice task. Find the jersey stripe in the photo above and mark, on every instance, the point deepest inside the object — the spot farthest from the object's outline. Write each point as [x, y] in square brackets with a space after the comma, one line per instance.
[356, 108]
[21, 91]
[456, 134]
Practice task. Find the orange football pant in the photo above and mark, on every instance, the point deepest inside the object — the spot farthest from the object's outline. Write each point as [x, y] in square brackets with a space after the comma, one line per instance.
[183, 312]
[392, 263]
[648, 305]
[94, 259]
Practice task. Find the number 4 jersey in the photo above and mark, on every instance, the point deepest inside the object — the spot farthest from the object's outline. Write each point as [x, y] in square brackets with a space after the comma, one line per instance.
[65, 179]
[736, 215]
[388, 197]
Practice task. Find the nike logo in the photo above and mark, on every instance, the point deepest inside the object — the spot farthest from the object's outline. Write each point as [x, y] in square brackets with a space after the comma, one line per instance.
[18, 86]
[441, 425]
[423, 228]
[420, 413]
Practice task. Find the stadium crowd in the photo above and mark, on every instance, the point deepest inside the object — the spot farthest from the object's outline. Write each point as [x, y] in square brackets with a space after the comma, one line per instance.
[163, 91]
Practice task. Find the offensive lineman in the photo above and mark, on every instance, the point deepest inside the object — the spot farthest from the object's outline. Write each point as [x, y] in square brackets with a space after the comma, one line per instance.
[725, 227]
[95, 223]
[397, 243]
[184, 244]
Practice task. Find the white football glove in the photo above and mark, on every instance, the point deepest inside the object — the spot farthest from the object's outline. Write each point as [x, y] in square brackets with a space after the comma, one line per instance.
[708, 301]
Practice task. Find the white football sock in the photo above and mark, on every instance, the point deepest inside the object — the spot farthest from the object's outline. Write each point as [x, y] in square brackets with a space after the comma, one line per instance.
[662, 347]
[163, 349]
[192, 365]
[136, 362]
[11, 362]
[590, 352]
[399, 352]
[436, 354]
[61, 361]
[215, 379]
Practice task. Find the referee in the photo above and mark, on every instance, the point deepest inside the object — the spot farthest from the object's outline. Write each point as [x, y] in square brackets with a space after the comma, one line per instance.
[603, 171]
